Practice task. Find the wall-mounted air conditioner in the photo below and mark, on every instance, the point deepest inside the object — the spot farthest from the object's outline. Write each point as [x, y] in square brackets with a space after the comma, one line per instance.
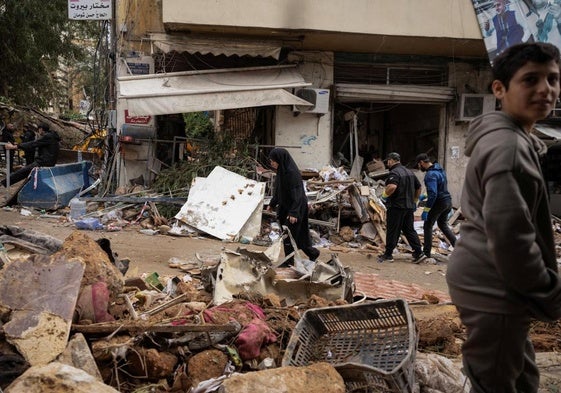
[319, 98]
[473, 105]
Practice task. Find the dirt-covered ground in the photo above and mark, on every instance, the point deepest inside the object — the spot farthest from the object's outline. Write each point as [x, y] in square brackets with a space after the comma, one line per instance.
[152, 253]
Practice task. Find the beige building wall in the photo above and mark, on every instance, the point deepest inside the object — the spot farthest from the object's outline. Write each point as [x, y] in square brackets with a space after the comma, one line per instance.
[455, 160]
[429, 18]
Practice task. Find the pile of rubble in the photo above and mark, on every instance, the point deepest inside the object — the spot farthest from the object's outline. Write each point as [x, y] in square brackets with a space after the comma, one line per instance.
[68, 314]
[70, 320]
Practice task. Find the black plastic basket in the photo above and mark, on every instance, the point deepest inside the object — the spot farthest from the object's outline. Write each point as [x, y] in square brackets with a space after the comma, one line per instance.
[372, 345]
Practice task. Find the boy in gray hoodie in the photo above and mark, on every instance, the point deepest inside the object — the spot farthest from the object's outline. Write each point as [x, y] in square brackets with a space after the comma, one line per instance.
[503, 271]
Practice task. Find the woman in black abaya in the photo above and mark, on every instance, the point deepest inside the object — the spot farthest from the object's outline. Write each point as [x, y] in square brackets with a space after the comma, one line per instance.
[291, 202]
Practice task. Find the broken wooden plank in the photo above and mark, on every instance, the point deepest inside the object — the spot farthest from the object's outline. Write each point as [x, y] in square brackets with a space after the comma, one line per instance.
[349, 249]
[24, 245]
[455, 216]
[359, 204]
[381, 231]
[329, 224]
[137, 200]
[321, 183]
[135, 326]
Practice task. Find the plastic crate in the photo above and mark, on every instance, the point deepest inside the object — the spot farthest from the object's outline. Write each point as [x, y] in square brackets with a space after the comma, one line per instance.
[372, 345]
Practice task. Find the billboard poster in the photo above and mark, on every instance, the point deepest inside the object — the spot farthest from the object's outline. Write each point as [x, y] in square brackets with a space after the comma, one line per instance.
[89, 9]
[505, 23]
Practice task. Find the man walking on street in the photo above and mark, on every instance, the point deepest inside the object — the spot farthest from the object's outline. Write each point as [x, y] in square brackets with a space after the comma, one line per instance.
[401, 195]
[439, 202]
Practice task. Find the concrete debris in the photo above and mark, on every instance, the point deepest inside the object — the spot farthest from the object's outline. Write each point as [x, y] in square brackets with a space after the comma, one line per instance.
[98, 266]
[78, 354]
[57, 378]
[316, 378]
[41, 314]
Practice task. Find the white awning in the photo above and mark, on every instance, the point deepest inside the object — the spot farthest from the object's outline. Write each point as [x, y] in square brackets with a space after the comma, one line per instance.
[196, 91]
[394, 93]
[216, 46]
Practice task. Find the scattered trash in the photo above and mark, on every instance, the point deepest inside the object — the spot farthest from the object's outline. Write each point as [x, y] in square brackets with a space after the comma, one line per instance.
[150, 232]
[89, 223]
[25, 212]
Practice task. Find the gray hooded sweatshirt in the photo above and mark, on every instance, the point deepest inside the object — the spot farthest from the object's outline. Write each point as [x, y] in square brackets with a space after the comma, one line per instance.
[504, 261]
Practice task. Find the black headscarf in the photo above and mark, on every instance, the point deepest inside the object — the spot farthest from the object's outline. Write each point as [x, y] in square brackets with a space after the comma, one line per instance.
[285, 161]
[289, 191]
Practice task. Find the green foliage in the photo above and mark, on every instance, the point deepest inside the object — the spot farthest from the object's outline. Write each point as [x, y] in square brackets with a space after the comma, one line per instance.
[36, 36]
[224, 152]
[198, 125]
[72, 116]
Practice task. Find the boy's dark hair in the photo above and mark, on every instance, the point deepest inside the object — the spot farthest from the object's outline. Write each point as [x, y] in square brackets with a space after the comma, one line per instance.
[45, 127]
[515, 57]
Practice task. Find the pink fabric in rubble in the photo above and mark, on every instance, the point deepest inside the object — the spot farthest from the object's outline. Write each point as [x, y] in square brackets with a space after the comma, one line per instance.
[253, 337]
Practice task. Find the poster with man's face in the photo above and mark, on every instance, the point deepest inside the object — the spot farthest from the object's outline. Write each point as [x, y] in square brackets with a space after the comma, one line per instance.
[505, 23]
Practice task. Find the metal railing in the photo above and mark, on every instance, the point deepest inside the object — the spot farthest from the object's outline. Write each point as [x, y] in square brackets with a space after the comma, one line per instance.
[8, 164]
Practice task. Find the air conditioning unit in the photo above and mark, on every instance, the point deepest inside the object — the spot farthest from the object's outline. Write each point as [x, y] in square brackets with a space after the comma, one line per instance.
[473, 105]
[319, 98]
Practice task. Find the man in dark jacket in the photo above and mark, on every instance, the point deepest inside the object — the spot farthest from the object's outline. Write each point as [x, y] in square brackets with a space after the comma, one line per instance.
[503, 271]
[439, 202]
[401, 195]
[28, 136]
[47, 152]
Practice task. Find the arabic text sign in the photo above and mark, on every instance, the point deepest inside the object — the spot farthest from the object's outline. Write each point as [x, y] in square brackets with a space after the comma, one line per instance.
[89, 9]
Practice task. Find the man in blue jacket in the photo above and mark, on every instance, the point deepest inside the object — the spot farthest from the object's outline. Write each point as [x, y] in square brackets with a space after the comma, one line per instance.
[438, 204]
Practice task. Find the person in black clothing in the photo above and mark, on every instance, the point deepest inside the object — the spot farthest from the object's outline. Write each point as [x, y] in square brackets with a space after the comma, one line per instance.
[439, 202]
[401, 195]
[47, 153]
[28, 136]
[8, 137]
[291, 202]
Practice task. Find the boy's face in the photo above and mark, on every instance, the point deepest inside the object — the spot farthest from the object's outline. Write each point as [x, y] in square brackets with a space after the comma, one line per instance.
[531, 94]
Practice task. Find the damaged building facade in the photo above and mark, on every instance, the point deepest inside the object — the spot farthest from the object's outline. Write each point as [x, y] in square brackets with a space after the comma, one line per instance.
[325, 79]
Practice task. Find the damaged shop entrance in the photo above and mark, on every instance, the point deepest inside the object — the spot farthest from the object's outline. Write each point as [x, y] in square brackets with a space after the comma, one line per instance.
[371, 122]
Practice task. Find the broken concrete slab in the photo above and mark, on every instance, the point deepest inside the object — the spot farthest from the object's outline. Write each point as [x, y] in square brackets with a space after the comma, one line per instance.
[57, 378]
[316, 378]
[77, 354]
[41, 316]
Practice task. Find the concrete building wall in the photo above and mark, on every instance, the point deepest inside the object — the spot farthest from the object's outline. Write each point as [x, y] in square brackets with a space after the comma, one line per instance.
[476, 77]
[308, 135]
[428, 18]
